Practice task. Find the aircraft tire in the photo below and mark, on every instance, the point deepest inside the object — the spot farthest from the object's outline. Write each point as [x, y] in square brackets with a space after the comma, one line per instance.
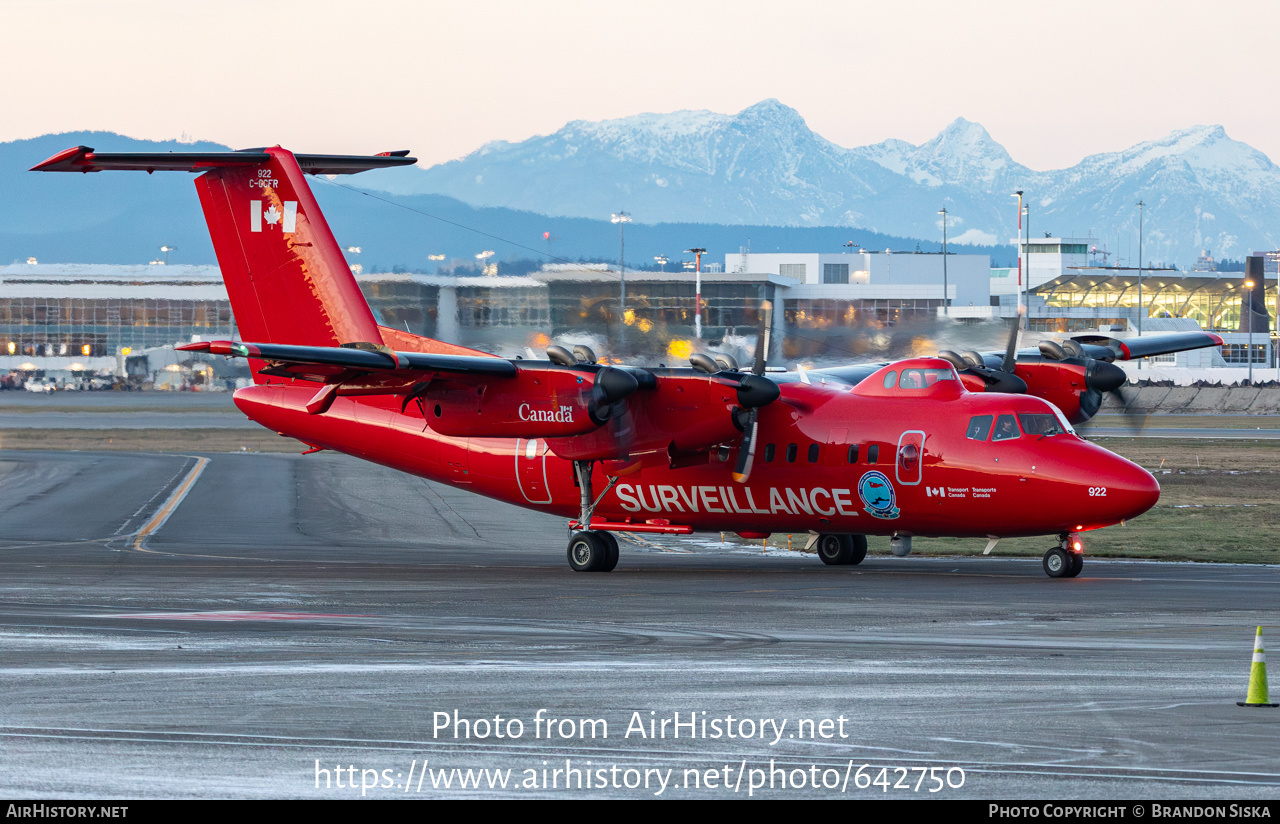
[1077, 564]
[859, 549]
[836, 549]
[1058, 563]
[588, 552]
[613, 551]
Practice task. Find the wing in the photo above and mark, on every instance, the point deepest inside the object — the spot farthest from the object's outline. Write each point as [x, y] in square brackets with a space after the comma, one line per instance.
[585, 411]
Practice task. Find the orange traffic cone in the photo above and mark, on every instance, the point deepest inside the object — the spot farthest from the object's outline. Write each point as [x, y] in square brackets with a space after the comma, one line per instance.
[1258, 696]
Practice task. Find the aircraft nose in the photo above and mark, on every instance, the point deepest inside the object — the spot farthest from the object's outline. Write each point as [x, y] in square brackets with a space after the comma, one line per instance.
[1133, 490]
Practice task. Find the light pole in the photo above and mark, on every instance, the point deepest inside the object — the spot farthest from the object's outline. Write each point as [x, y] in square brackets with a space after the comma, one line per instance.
[1248, 297]
[167, 249]
[1018, 195]
[946, 297]
[1141, 205]
[697, 290]
[622, 219]
[662, 261]
[485, 269]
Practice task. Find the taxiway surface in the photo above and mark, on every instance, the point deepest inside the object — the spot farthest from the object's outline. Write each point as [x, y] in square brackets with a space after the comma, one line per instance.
[302, 613]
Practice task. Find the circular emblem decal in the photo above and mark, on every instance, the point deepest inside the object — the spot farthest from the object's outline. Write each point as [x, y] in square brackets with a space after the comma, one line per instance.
[878, 496]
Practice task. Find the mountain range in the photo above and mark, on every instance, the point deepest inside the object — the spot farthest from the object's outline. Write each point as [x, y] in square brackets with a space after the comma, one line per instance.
[1202, 190]
[760, 178]
[115, 217]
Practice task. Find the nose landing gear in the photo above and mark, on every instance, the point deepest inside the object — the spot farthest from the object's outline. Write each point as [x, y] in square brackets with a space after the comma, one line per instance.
[1066, 559]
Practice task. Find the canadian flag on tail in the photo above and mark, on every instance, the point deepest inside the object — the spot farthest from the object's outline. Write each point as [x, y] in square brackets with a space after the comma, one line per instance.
[287, 219]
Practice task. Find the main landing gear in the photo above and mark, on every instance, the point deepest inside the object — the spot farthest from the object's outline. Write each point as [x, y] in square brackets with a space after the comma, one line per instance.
[1066, 559]
[591, 550]
[841, 549]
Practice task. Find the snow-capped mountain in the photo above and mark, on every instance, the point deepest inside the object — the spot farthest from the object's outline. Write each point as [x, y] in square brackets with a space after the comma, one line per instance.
[765, 166]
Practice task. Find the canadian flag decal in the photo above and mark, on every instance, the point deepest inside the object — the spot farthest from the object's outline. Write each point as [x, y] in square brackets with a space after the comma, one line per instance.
[935, 492]
[287, 220]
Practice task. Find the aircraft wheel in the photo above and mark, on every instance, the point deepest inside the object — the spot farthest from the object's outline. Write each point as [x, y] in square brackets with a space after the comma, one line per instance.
[1077, 564]
[1057, 563]
[588, 552]
[613, 551]
[836, 550]
[859, 549]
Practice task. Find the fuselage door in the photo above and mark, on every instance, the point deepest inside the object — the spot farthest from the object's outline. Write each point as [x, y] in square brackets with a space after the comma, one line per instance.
[910, 463]
[531, 470]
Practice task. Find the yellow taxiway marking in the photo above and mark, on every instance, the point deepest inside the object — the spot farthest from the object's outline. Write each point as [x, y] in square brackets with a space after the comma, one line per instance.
[169, 506]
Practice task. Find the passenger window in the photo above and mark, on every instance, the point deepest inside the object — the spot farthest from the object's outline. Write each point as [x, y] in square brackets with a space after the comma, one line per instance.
[813, 453]
[792, 451]
[873, 453]
[768, 453]
[853, 454]
[890, 379]
[979, 427]
[1006, 429]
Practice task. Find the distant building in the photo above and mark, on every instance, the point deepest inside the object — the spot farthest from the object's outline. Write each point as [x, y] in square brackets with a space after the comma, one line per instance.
[82, 316]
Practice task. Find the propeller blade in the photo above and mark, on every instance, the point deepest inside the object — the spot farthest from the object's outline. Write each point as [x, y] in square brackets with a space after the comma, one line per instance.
[747, 449]
[762, 339]
[1011, 349]
[1136, 421]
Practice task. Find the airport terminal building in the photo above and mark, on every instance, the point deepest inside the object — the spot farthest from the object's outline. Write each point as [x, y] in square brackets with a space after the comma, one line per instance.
[826, 306]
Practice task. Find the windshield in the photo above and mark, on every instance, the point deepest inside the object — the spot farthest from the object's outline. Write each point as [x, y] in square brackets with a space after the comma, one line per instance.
[1040, 424]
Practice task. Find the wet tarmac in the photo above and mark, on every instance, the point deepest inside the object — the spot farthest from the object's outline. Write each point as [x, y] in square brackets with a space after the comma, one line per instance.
[245, 626]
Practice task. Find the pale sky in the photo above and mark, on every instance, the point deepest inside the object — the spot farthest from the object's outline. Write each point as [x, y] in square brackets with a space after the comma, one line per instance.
[1052, 82]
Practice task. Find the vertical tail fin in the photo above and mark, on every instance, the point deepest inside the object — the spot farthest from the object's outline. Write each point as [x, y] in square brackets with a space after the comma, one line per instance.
[285, 273]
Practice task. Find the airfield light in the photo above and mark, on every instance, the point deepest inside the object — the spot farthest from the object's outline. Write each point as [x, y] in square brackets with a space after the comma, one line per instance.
[435, 257]
[32, 261]
[126, 351]
[13, 347]
[355, 250]
[84, 350]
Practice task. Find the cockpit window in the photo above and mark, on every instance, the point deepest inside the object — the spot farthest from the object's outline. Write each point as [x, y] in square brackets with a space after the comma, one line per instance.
[923, 378]
[890, 378]
[1034, 424]
[979, 427]
[1006, 429]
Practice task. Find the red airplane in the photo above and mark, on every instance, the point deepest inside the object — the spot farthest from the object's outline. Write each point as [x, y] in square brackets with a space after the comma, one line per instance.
[965, 446]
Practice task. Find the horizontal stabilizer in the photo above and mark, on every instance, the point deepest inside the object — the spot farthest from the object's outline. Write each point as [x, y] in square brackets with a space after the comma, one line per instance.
[372, 360]
[85, 159]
